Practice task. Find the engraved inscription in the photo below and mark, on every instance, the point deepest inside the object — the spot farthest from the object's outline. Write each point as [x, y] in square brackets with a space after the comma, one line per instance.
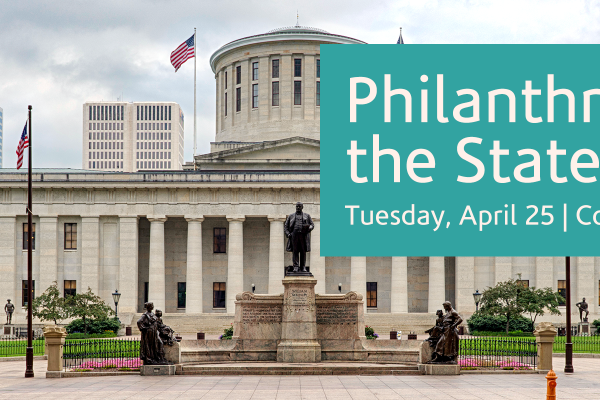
[261, 314]
[336, 314]
[298, 296]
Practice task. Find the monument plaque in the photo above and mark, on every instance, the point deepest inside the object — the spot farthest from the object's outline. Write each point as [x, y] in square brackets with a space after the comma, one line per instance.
[336, 314]
[259, 314]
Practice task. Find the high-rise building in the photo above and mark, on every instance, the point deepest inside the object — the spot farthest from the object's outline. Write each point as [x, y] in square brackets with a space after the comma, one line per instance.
[128, 137]
[1, 135]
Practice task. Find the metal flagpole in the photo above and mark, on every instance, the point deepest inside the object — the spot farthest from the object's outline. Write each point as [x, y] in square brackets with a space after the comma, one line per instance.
[195, 96]
[29, 350]
[568, 344]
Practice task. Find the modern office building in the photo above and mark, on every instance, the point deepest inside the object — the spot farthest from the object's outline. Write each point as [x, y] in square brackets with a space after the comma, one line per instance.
[1, 136]
[191, 240]
[129, 137]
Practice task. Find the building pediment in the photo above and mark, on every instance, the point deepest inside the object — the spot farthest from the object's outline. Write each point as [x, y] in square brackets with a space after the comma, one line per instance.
[295, 148]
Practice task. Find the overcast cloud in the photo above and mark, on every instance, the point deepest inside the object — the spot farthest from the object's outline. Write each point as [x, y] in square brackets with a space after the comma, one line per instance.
[57, 55]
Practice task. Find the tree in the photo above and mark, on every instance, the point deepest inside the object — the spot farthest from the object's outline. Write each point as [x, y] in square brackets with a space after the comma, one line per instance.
[88, 306]
[50, 306]
[537, 301]
[503, 299]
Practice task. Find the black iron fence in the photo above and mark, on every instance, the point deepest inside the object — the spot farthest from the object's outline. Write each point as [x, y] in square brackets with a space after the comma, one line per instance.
[581, 344]
[86, 355]
[492, 352]
[16, 346]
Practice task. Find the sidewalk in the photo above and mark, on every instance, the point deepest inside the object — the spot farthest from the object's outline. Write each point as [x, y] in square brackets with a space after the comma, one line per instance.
[584, 384]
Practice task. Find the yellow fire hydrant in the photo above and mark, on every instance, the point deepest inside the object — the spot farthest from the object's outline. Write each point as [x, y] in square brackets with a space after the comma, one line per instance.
[551, 386]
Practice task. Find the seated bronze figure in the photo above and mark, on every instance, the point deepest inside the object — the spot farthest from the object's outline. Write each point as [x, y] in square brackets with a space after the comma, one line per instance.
[446, 348]
[152, 351]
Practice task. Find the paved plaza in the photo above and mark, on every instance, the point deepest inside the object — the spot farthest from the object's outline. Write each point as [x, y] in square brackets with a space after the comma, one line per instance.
[584, 384]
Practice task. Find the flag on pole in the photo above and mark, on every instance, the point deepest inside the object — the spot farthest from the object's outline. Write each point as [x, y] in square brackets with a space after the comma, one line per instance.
[184, 52]
[23, 144]
[400, 40]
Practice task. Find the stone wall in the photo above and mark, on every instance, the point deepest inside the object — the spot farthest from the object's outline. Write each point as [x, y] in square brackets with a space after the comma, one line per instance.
[256, 254]
[214, 265]
[143, 259]
[379, 269]
[175, 260]
[337, 270]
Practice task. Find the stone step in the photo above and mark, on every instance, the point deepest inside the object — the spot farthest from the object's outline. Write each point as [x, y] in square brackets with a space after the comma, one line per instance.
[273, 368]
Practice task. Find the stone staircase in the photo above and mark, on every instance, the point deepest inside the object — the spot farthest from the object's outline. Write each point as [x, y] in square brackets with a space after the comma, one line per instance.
[273, 368]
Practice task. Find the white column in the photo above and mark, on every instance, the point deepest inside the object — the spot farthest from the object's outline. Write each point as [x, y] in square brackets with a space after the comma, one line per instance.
[276, 253]
[586, 284]
[47, 245]
[465, 282]
[317, 263]
[156, 269]
[502, 269]
[128, 263]
[193, 286]
[8, 262]
[90, 254]
[358, 277]
[544, 272]
[437, 284]
[235, 261]
[399, 291]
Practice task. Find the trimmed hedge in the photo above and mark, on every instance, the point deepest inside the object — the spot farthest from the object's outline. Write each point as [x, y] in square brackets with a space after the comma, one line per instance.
[107, 334]
[94, 326]
[497, 323]
[503, 333]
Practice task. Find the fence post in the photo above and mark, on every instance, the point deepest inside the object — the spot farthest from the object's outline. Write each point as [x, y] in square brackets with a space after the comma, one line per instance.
[55, 340]
[544, 336]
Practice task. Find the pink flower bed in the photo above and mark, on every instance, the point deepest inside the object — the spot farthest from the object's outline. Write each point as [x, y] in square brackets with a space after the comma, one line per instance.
[133, 363]
[505, 364]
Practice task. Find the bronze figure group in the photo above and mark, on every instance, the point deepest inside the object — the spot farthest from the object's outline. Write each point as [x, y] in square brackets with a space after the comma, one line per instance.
[443, 337]
[155, 335]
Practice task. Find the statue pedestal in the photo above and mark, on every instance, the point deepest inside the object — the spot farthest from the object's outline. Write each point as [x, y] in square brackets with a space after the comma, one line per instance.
[583, 328]
[9, 330]
[299, 321]
[157, 370]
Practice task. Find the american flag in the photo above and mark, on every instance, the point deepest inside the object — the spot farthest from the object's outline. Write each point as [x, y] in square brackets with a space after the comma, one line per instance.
[184, 52]
[23, 144]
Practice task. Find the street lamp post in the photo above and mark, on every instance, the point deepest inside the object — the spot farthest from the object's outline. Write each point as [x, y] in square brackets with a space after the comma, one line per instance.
[116, 296]
[477, 298]
[568, 344]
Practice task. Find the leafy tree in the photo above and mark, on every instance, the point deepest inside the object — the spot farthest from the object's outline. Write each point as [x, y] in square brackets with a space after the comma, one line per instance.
[88, 306]
[50, 306]
[503, 299]
[536, 301]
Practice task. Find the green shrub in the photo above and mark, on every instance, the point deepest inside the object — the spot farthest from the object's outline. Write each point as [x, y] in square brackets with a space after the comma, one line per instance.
[510, 334]
[227, 334]
[370, 333]
[94, 326]
[78, 335]
[596, 323]
[489, 323]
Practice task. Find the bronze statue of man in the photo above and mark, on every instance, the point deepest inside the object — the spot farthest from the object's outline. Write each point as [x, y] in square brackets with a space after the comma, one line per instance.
[297, 229]
[583, 308]
[9, 309]
[446, 348]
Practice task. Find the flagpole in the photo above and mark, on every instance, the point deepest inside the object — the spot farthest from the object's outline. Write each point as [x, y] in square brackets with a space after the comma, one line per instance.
[29, 350]
[195, 52]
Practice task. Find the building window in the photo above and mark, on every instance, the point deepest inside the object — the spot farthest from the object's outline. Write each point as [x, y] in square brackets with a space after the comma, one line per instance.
[318, 93]
[25, 292]
[371, 294]
[238, 74]
[318, 68]
[218, 294]
[219, 240]
[523, 282]
[225, 79]
[238, 99]
[70, 236]
[255, 71]
[26, 236]
[70, 288]
[275, 94]
[180, 294]
[562, 290]
[225, 104]
[297, 67]
[255, 96]
[297, 93]
[275, 70]
[145, 292]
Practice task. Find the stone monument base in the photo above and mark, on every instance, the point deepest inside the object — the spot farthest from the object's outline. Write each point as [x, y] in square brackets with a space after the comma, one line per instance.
[301, 351]
[583, 328]
[9, 330]
[157, 370]
[439, 369]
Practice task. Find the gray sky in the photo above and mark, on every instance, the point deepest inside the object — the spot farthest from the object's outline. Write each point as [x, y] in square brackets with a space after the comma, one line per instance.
[57, 55]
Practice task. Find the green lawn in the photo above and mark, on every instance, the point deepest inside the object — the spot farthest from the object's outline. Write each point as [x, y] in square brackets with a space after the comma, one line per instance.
[489, 344]
[16, 348]
[106, 348]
